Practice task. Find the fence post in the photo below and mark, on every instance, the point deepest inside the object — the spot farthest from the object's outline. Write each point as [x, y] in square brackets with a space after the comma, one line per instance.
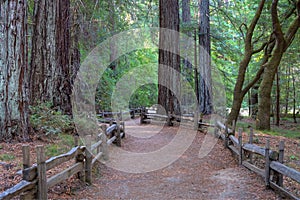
[26, 156]
[104, 147]
[233, 126]
[26, 164]
[280, 159]
[76, 140]
[142, 117]
[240, 138]
[216, 131]
[41, 169]
[267, 163]
[80, 158]
[118, 134]
[226, 136]
[88, 160]
[251, 142]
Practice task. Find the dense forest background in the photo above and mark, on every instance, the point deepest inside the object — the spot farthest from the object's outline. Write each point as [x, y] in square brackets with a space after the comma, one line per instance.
[253, 44]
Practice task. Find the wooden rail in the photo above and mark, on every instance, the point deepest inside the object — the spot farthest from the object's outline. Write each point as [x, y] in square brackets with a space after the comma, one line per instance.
[150, 115]
[273, 159]
[35, 182]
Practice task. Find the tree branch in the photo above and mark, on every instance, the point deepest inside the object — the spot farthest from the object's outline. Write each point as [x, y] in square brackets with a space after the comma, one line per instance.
[260, 48]
[276, 24]
[293, 28]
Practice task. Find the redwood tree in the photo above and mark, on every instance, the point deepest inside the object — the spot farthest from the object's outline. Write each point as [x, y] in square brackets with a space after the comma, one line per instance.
[13, 69]
[169, 58]
[50, 58]
[204, 69]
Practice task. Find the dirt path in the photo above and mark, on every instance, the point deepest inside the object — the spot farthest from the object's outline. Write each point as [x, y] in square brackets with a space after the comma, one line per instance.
[216, 176]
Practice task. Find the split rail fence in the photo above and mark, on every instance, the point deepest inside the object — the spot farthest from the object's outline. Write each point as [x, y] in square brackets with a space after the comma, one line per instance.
[273, 171]
[148, 115]
[35, 183]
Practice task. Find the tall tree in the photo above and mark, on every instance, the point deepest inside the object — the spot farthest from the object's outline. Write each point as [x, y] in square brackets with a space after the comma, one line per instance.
[50, 58]
[169, 58]
[13, 69]
[240, 90]
[283, 41]
[63, 88]
[205, 81]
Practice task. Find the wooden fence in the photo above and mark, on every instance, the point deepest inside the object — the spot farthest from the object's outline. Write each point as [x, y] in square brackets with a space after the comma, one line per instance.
[273, 171]
[110, 117]
[147, 115]
[35, 183]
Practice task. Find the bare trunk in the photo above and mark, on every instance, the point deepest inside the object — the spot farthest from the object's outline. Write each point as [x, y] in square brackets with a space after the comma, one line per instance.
[13, 70]
[63, 88]
[205, 81]
[288, 73]
[277, 100]
[75, 52]
[294, 97]
[169, 59]
[43, 60]
[50, 71]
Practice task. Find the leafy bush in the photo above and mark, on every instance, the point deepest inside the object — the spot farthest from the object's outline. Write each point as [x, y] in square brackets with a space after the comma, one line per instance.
[46, 120]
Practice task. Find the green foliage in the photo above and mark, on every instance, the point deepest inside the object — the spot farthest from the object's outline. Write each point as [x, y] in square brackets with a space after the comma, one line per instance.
[62, 145]
[7, 157]
[144, 95]
[293, 157]
[46, 120]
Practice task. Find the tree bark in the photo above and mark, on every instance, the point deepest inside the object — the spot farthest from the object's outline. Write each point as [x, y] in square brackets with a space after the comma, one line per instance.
[169, 59]
[13, 70]
[294, 96]
[205, 81]
[75, 52]
[63, 88]
[43, 60]
[50, 71]
[277, 99]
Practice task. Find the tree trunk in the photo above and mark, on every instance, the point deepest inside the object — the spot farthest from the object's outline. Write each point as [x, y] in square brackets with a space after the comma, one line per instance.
[13, 70]
[277, 99]
[169, 59]
[282, 43]
[294, 96]
[50, 72]
[43, 59]
[75, 52]
[186, 20]
[239, 90]
[63, 88]
[287, 89]
[205, 81]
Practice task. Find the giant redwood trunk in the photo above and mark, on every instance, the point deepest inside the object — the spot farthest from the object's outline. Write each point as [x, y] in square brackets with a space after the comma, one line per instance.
[63, 88]
[13, 69]
[43, 51]
[50, 60]
[205, 81]
[169, 59]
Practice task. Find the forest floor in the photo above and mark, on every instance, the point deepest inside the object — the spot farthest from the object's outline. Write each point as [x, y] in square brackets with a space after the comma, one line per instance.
[216, 176]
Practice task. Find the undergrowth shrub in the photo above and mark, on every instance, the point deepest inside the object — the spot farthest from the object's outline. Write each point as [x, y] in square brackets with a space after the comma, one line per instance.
[44, 119]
